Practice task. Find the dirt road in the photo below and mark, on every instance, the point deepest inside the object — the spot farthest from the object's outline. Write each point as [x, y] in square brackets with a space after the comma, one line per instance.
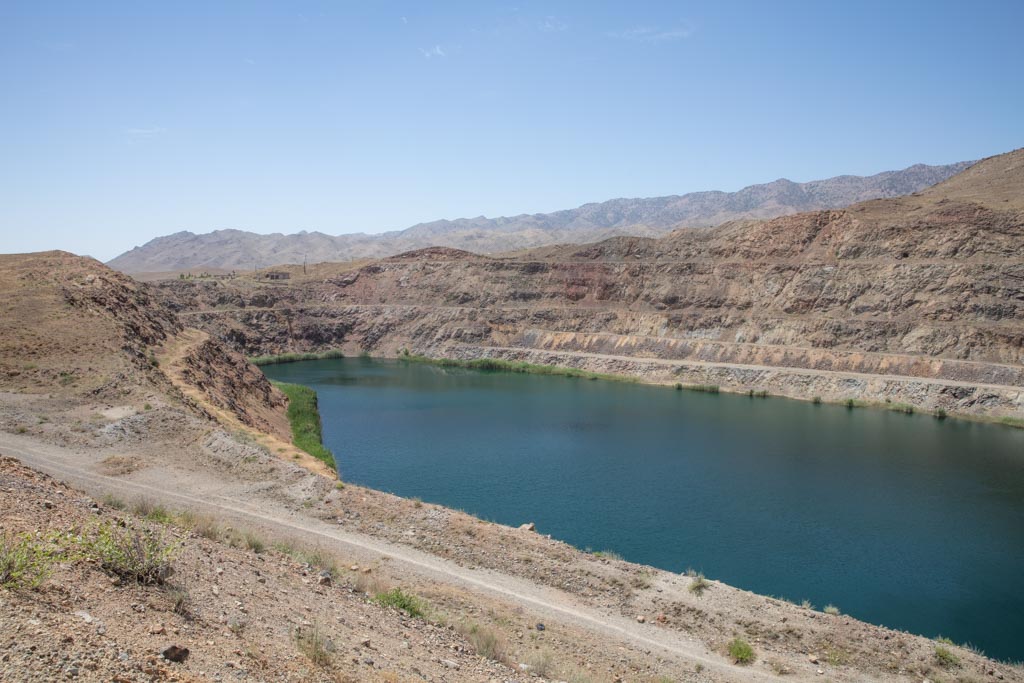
[547, 604]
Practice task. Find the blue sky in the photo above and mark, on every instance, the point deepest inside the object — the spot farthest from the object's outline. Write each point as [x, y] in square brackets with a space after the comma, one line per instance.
[124, 121]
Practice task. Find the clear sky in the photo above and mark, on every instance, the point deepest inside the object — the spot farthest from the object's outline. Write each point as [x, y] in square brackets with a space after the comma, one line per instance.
[120, 122]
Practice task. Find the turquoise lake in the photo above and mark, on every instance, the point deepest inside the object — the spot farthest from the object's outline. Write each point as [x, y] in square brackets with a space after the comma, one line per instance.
[898, 520]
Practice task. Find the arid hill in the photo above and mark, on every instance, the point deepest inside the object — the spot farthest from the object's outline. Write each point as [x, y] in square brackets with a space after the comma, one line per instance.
[915, 300]
[162, 444]
[225, 250]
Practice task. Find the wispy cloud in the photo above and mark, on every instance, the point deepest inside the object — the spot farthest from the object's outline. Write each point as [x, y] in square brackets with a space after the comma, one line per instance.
[552, 25]
[147, 133]
[654, 34]
[436, 51]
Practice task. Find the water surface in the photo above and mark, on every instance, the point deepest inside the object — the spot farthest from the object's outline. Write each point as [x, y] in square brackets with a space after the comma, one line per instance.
[898, 520]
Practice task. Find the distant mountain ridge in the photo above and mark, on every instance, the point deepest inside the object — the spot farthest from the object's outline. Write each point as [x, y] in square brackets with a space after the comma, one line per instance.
[650, 217]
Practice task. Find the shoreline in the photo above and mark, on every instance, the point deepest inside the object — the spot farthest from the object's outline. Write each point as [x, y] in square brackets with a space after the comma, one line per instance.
[492, 364]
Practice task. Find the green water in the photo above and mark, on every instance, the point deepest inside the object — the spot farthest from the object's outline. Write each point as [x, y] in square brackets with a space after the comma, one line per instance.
[898, 520]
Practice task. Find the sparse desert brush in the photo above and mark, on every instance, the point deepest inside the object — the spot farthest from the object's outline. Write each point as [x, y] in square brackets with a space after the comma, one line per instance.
[699, 584]
[146, 507]
[113, 502]
[945, 657]
[312, 642]
[136, 555]
[486, 641]
[541, 663]
[254, 542]
[740, 651]
[314, 557]
[607, 554]
[180, 599]
[832, 609]
[201, 525]
[25, 562]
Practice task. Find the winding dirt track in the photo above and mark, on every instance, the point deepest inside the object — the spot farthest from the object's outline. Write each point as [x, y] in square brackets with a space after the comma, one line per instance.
[64, 464]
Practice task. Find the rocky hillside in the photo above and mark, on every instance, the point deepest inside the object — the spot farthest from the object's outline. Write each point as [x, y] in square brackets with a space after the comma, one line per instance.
[914, 300]
[236, 249]
[77, 330]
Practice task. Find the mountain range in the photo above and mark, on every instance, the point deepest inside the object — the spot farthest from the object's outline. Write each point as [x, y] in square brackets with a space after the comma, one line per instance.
[650, 217]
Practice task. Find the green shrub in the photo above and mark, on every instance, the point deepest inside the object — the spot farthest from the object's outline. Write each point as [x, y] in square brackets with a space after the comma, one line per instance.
[940, 414]
[702, 388]
[25, 562]
[144, 507]
[501, 365]
[304, 416]
[816, 400]
[740, 651]
[140, 556]
[401, 600]
[293, 357]
[945, 657]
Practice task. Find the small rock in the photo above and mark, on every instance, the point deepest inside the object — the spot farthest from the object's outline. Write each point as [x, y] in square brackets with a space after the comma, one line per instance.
[640, 619]
[813, 659]
[324, 579]
[354, 568]
[173, 653]
[365, 642]
[48, 505]
[449, 664]
[368, 661]
[821, 672]
[157, 629]
[540, 627]
[115, 580]
[529, 526]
